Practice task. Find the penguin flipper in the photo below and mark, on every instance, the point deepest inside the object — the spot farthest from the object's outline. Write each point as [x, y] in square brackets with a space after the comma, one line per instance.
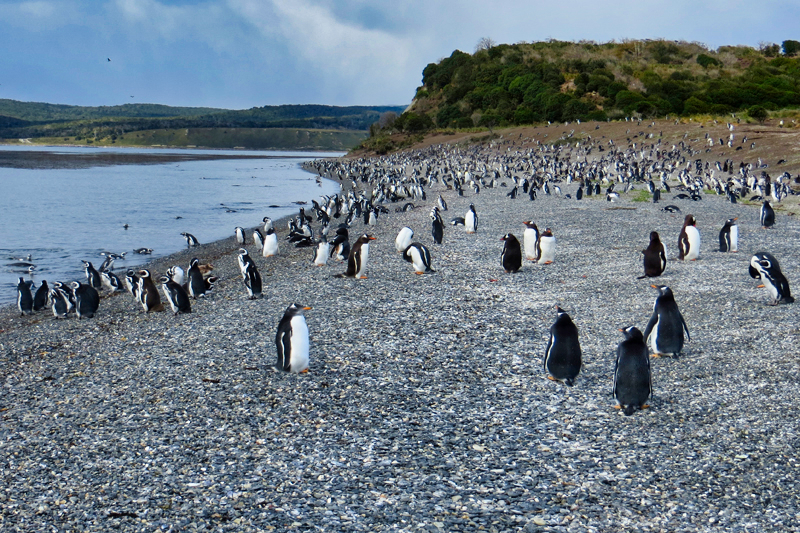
[685, 328]
[650, 325]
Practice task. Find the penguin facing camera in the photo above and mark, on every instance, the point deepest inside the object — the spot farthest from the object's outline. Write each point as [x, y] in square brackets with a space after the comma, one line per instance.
[292, 342]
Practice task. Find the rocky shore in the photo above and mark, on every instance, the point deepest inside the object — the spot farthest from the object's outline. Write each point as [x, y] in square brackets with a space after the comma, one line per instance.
[426, 407]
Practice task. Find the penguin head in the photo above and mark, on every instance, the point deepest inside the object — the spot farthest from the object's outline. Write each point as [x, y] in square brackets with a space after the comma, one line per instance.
[530, 225]
[632, 332]
[547, 232]
[663, 290]
[731, 221]
[296, 309]
[689, 220]
[164, 280]
[761, 263]
[144, 273]
[242, 251]
[75, 285]
[366, 238]
[194, 262]
[266, 219]
[654, 238]
[508, 237]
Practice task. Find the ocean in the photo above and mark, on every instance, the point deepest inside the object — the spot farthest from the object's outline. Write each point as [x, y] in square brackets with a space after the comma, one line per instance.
[64, 205]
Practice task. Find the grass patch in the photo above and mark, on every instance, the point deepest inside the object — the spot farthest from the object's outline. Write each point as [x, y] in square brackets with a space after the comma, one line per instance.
[642, 195]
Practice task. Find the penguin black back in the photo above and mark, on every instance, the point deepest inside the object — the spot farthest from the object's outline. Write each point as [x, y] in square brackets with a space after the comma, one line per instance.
[511, 257]
[655, 258]
[562, 356]
[632, 377]
[765, 266]
[666, 326]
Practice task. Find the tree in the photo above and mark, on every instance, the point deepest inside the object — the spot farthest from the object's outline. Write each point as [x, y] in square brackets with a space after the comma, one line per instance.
[484, 43]
[758, 113]
[790, 48]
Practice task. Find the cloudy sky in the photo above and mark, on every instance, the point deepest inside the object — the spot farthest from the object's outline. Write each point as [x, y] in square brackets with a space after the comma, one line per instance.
[239, 54]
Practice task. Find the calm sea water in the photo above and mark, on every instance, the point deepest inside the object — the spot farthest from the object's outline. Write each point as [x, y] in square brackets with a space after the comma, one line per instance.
[61, 216]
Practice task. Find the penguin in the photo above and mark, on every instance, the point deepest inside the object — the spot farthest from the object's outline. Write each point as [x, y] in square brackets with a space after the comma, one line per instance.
[530, 239]
[176, 274]
[767, 215]
[132, 284]
[579, 193]
[403, 240]
[24, 297]
[418, 255]
[764, 265]
[547, 247]
[562, 357]
[457, 221]
[143, 251]
[148, 292]
[729, 236]
[59, 301]
[92, 275]
[655, 257]
[196, 283]
[689, 240]
[252, 281]
[270, 247]
[511, 257]
[357, 260]
[244, 260]
[176, 296]
[191, 240]
[441, 203]
[471, 219]
[87, 300]
[340, 247]
[666, 326]
[632, 378]
[110, 281]
[437, 229]
[291, 341]
[321, 252]
[258, 240]
[40, 298]
[656, 195]
[268, 225]
[238, 231]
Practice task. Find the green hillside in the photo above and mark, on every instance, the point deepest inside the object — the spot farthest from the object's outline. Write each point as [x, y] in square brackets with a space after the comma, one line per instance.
[42, 112]
[562, 81]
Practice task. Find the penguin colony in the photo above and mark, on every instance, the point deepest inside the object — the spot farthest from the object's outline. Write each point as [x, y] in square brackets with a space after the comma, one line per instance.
[370, 188]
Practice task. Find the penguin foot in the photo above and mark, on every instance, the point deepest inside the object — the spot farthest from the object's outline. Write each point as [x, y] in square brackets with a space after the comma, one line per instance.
[645, 406]
[419, 273]
[655, 355]
[303, 371]
[618, 406]
[551, 378]
[760, 286]
[547, 263]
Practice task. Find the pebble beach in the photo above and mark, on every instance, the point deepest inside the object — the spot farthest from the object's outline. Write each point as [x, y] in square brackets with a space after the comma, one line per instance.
[426, 407]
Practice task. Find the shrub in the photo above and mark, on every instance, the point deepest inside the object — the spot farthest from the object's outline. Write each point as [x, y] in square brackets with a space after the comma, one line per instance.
[758, 113]
[790, 48]
[707, 61]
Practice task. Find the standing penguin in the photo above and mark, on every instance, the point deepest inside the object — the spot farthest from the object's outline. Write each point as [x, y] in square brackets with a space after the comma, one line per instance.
[244, 260]
[437, 226]
[196, 284]
[238, 231]
[655, 257]
[24, 297]
[252, 281]
[92, 275]
[471, 219]
[767, 215]
[292, 341]
[530, 241]
[87, 300]
[632, 378]
[59, 300]
[270, 247]
[666, 326]
[176, 296]
[689, 240]
[403, 240]
[321, 252]
[340, 247]
[441, 203]
[562, 357]
[419, 256]
[357, 261]
[258, 240]
[268, 225]
[729, 236]
[547, 247]
[511, 258]
[764, 265]
[148, 293]
[40, 298]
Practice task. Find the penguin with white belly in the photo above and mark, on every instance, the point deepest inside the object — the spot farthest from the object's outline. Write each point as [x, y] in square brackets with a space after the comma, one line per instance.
[357, 260]
[270, 247]
[562, 356]
[729, 236]
[666, 326]
[321, 252]
[547, 247]
[418, 255]
[689, 240]
[471, 219]
[764, 266]
[403, 240]
[530, 240]
[176, 295]
[292, 341]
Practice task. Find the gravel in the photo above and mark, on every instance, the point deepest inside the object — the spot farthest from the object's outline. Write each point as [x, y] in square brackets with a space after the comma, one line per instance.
[426, 407]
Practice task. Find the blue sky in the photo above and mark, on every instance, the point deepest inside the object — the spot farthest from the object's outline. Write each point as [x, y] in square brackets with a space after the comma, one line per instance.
[239, 54]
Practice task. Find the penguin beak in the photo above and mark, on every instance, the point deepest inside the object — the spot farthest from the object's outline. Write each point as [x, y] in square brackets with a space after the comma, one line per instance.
[654, 286]
[373, 238]
[307, 308]
[620, 329]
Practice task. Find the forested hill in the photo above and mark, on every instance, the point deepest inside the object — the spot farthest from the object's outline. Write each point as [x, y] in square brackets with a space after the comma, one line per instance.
[36, 120]
[559, 81]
